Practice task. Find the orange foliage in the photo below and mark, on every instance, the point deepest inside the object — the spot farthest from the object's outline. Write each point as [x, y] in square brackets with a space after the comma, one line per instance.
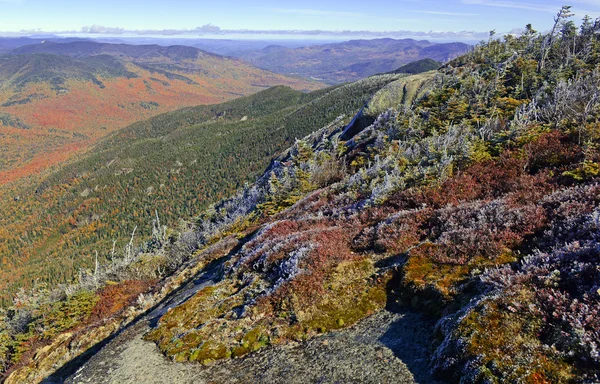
[115, 298]
[64, 123]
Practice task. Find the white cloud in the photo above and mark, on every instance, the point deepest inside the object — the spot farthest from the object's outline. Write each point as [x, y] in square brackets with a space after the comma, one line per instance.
[212, 30]
[208, 28]
[100, 29]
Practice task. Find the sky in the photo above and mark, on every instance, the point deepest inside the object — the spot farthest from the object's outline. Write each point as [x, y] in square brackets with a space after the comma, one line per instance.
[458, 19]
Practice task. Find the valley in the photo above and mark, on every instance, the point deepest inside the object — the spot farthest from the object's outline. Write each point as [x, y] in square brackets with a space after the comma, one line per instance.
[54, 105]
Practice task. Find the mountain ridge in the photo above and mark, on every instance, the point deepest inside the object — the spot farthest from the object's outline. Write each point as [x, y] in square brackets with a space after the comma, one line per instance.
[80, 49]
[351, 60]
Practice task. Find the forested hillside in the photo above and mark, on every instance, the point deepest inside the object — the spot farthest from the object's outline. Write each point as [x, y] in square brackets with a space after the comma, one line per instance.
[173, 165]
[474, 197]
[418, 66]
[58, 99]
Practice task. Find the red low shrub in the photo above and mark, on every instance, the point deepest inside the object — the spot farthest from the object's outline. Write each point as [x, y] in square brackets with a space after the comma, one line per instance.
[115, 298]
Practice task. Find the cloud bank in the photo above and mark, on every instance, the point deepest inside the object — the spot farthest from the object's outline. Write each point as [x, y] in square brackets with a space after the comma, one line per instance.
[213, 30]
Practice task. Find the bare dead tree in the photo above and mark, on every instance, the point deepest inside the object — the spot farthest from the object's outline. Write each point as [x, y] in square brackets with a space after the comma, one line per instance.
[575, 101]
[129, 247]
[96, 267]
[548, 41]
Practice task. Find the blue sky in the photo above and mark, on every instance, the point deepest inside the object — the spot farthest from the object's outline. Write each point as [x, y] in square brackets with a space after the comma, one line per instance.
[110, 16]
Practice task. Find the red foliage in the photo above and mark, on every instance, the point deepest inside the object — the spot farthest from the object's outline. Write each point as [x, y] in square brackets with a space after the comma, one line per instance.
[485, 210]
[394, 235]
[115, 298]
[66, 123]
[553, 149]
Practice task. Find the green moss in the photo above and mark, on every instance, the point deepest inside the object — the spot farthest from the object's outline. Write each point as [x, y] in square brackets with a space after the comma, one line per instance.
[351, 296]
[252, 341]
[426, 275]
[422, 272]
[197, 330]
[334, 314]
[181, 357]
[189, 330]
[210, 351]
[255, 339]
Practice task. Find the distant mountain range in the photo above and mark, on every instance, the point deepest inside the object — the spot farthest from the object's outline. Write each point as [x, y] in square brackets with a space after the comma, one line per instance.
[9, 43]
[332, 63]
[59, 98]
[86, 48]
[351, 60]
